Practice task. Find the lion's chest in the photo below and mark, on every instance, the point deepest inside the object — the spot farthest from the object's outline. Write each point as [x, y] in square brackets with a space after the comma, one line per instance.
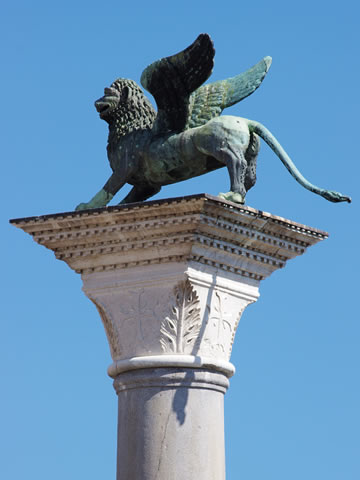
[125, 153]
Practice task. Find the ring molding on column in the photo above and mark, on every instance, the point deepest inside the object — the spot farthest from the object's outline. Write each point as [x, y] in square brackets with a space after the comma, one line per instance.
[168, 361]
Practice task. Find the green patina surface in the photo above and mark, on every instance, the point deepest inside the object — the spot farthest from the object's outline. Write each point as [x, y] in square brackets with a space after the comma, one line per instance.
[186, 137]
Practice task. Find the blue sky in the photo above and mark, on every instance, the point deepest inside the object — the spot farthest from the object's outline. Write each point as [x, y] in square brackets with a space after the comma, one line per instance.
[292, 410]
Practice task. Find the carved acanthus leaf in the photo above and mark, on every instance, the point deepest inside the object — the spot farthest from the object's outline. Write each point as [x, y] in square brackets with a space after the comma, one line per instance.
[180, 330]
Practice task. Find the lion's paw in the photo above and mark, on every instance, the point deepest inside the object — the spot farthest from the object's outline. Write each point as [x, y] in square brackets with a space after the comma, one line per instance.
[232, 197]
[82, 206]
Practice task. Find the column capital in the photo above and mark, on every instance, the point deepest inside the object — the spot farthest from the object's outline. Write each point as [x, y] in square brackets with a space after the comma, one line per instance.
[171, 278]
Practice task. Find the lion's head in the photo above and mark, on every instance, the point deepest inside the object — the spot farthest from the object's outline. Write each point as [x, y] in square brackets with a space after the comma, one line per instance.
[125, 106]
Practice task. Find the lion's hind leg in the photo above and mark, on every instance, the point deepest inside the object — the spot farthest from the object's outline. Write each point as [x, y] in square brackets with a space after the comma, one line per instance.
[236, 164]
[251, 155]
[226, 139]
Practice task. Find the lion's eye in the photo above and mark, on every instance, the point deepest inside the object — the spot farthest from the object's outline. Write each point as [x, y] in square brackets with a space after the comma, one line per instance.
[110, 91]
[115, 85]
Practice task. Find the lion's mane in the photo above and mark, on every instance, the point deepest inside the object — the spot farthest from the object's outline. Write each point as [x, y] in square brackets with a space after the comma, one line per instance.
[136, 113]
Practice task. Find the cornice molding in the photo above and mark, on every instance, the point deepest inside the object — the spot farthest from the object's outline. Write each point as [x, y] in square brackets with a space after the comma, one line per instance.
[173, 230]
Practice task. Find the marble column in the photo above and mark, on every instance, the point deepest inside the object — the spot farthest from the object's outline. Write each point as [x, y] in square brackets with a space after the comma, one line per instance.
[171, 279]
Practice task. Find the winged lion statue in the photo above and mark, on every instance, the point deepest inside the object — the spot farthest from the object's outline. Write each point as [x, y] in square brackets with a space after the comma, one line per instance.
[186, 137]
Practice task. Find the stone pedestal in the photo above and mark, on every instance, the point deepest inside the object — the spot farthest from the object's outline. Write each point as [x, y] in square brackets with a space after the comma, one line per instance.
[171, 279]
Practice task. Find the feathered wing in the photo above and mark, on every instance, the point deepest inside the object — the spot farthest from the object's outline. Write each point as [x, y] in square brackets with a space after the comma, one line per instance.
[210, 100]
[171, 81]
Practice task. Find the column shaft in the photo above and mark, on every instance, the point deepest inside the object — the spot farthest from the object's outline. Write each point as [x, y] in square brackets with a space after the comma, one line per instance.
[171, 424]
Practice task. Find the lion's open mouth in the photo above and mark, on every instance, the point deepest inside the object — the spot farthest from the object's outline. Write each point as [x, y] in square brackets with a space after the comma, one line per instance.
[106, 104]
[101, 107]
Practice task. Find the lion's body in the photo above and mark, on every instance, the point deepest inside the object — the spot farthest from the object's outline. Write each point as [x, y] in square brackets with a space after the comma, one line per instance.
[177, 157]
[149, 162]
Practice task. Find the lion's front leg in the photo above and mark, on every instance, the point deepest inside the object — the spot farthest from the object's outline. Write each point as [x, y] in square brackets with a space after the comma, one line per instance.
[140, 193]
[103, 197]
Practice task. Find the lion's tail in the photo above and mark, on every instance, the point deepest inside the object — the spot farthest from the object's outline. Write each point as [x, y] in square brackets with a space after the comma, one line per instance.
[269, 138]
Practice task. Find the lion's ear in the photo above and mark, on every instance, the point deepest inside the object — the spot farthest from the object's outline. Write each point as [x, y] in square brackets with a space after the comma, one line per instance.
[126, 94]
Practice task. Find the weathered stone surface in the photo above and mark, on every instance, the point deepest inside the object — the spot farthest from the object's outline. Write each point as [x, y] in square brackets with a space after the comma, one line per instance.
[171, 279]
